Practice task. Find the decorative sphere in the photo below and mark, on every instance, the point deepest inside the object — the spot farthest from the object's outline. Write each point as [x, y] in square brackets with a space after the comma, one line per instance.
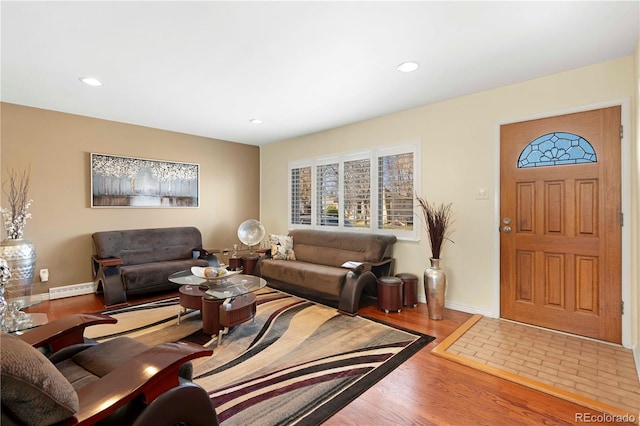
[250, 232]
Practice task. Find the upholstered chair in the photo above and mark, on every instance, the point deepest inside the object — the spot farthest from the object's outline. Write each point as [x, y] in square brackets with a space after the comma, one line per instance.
[64, 380]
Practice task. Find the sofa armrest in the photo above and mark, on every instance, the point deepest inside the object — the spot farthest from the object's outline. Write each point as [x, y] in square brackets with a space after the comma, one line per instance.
[106, 276]
[355, 283]
[383, 268]
[148, 375]
[264, 254]
[64, 331]
[107, 261]
[202, 253]
[98, 263]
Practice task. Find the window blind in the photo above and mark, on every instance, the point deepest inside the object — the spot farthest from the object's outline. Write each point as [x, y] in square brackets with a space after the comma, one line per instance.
[328, 194]
[301, 195]
[357, 193]
[395, 191]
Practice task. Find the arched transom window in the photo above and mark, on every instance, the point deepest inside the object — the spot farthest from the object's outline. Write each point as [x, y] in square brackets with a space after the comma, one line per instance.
[554, 149]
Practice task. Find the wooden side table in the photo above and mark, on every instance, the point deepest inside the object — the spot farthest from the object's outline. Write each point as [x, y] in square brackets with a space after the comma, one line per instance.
[236, 311]
[211, 316]
[235, 263]
[190, 298]
[249, 264]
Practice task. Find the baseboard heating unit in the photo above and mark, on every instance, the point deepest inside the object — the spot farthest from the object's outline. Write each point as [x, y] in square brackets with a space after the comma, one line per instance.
[71, 290]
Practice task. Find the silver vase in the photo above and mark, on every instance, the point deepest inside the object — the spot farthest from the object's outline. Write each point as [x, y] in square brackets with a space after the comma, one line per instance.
[5, 275]
[435, 284]
[20, 255]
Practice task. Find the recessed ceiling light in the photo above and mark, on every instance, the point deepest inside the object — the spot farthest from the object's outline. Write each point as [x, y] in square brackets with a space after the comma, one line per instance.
[91, 81]
[255, 121]
[409, 66]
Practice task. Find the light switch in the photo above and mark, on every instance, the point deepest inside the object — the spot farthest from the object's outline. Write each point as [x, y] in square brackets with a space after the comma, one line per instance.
[482, 194]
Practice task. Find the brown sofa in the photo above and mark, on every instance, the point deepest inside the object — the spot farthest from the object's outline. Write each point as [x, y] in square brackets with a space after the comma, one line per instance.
[139, 261]
[318, 274]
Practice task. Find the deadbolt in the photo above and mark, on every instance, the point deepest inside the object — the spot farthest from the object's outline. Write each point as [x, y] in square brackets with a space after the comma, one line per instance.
[506, 220]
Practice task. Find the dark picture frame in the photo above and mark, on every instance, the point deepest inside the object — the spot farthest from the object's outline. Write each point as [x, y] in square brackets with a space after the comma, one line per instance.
[118, 181]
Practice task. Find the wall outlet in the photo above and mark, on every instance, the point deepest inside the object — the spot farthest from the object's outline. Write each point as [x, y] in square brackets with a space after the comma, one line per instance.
[44, 275]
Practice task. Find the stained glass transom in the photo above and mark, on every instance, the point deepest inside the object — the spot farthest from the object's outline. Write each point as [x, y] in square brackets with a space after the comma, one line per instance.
[555, 149]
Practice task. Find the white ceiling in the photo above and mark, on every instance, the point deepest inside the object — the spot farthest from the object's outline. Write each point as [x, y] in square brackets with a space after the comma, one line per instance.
[206, 68]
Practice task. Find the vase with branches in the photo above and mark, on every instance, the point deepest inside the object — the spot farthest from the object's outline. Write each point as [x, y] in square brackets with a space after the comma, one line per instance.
[19, 253]
[438, 220]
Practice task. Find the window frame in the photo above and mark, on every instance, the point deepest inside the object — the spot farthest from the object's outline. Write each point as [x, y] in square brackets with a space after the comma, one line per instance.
[373, 155]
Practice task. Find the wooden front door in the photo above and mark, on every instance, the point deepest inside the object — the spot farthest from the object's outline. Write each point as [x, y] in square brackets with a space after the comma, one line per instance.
[560, 230]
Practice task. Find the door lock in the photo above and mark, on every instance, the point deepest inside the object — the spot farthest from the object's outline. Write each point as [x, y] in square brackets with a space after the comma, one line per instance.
[506, 229]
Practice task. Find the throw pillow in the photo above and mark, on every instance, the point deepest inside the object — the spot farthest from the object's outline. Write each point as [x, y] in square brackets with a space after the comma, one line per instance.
[33, 390]
[282, 247]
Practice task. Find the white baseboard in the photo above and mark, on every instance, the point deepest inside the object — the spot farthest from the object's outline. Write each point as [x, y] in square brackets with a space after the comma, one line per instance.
[468, 309]
[71, 290]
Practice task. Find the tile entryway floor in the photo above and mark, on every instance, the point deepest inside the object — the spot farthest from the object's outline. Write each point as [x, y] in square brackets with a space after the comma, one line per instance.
[596, 370]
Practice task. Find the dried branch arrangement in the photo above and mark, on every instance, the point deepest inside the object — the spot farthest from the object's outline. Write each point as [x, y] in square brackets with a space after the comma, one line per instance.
[16, 216]
[438, 219]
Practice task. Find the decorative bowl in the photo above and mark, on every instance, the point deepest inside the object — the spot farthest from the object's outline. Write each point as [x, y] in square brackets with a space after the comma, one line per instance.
[200, 272]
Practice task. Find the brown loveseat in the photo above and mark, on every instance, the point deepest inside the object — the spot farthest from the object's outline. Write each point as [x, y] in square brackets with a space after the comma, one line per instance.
[139, 261]
[317, 271]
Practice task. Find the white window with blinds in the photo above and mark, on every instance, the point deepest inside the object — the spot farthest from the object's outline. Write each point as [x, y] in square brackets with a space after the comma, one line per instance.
[368, 191]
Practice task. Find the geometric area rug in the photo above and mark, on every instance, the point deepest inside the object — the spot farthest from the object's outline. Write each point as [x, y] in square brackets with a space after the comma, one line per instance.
[297, 362]
[595, 374]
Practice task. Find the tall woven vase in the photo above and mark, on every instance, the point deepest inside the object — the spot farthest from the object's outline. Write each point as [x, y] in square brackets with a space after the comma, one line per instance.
[435, 284]
[20, 255]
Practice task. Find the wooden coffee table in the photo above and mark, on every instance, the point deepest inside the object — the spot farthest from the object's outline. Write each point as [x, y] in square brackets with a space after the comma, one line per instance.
[224, 303]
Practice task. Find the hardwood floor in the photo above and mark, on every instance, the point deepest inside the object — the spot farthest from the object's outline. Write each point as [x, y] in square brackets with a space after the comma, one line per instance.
[426, 389]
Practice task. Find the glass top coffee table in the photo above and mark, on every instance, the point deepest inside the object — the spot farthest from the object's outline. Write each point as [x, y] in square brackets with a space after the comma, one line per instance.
[235, 285]
[15, 320]
[224, 302]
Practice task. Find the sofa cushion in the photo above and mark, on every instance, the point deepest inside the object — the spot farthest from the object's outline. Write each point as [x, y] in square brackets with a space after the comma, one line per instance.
[136, 277]
[282, 247]
[137, 246]
[319, 278]
[33, 390]
[334, 248]
[76, 375]
[105, 357]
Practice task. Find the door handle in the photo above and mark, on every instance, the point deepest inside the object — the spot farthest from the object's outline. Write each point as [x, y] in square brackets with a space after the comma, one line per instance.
[506, 229]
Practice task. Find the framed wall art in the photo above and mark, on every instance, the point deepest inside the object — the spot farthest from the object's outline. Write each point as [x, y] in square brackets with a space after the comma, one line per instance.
[138, 182]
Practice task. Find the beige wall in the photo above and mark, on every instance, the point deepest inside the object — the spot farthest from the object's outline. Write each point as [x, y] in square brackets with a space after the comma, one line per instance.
[57, 147]
[459, 143]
